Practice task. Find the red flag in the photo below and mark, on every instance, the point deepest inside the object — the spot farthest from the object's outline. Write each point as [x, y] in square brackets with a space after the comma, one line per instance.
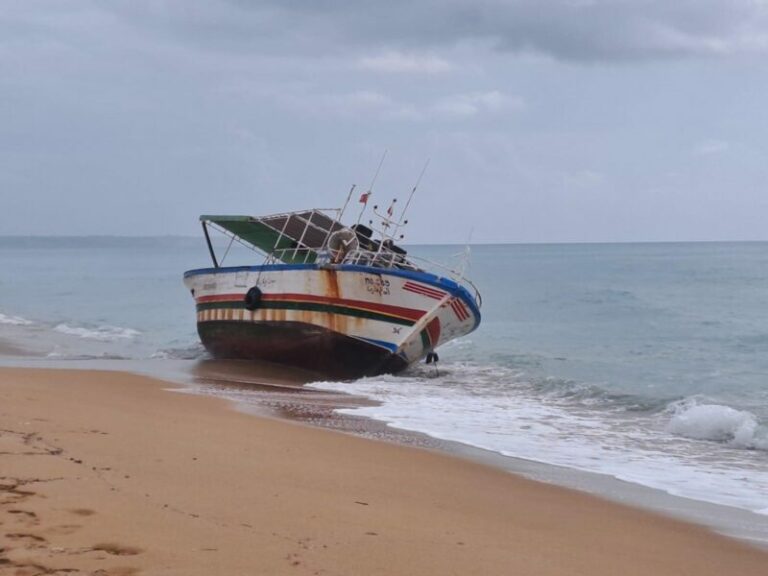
[364, 197]
[391, 209]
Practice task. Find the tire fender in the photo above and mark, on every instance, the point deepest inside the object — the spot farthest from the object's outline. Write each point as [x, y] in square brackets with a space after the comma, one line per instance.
[252, 298]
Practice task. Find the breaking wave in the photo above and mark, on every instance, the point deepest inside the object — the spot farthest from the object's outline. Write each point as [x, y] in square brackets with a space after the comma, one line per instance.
[14, 320]
[194, 351]
[58, 355]
[717, 423]
[685, 447]
[495, 379]
[103, 333]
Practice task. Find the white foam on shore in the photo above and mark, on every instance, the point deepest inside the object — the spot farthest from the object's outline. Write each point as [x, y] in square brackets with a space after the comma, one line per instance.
[191, 352]
[102, 333]
[488, 409]
[14, 320]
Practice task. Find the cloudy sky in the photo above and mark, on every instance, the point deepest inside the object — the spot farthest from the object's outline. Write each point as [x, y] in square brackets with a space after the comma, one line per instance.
[544, 121]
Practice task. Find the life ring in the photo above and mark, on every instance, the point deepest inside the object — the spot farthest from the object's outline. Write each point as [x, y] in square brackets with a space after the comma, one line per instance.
[252, 298]
[341, 243]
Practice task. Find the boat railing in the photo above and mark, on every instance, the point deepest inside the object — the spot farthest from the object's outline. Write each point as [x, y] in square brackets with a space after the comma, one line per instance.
[292, 256]
[378, 259]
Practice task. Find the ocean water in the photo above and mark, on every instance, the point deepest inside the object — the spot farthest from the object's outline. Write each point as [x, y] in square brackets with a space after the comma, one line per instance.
[645, 362]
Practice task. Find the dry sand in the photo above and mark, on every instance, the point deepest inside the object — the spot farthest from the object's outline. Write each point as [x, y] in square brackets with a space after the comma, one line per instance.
[106, 473]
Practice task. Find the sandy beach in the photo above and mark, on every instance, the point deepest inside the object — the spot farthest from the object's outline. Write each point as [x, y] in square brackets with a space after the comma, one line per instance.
[107, 473]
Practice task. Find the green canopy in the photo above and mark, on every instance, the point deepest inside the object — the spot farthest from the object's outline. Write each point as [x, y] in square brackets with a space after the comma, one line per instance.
[291, 238]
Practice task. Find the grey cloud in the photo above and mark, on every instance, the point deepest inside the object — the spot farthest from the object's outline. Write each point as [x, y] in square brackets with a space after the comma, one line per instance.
[399, 62]
[569, 30]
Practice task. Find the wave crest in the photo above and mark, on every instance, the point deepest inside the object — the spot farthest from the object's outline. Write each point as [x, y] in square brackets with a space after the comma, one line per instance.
[14, 320]
[103, 333]
[717, 423]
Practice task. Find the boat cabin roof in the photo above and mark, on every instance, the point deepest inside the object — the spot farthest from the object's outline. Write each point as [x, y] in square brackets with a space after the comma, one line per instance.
[297, 237]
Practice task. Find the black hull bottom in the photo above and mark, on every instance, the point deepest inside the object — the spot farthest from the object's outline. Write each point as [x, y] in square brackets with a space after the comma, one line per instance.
[299, 345]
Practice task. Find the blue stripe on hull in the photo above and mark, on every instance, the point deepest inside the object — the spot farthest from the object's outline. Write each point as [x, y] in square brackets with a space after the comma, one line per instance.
[388, 345]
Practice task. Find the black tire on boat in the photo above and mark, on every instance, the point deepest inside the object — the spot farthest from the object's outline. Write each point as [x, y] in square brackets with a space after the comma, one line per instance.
[253, 298]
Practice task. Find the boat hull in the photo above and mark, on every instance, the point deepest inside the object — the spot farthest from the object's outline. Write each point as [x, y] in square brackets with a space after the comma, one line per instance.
[342, 321]
[300, 345]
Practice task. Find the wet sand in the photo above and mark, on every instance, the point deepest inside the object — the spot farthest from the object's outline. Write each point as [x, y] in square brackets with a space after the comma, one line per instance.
[108, 473]
[11, 350]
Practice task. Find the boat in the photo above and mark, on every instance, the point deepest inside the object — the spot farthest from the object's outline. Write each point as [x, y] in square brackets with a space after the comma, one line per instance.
[344, 301]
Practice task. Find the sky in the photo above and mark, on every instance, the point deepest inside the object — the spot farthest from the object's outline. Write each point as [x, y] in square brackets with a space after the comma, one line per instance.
[542, 121]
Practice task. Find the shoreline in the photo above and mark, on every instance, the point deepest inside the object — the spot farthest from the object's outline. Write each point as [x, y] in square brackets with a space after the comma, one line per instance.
[315, 407]
[277, 392]
[111, 471]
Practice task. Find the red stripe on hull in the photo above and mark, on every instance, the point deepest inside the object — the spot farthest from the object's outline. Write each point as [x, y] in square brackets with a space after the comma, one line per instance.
[433, 329]
[459, 310]
[424, 290]
[410, 313]
[421, 293]
[463, 309]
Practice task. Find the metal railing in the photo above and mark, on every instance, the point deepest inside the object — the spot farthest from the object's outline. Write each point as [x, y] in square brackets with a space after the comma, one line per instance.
[291, 256]
[381, 258]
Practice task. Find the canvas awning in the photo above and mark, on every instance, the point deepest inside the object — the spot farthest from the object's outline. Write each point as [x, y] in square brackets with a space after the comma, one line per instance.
[292, 238]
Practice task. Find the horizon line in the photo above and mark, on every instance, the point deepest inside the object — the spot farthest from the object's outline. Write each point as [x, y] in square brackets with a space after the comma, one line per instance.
[449, 243]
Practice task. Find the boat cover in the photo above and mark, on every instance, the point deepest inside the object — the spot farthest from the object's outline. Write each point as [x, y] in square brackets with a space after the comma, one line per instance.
[292, 238]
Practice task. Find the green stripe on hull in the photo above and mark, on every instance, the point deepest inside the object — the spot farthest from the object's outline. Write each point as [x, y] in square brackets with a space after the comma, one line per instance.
[311, 307]
[426, 344]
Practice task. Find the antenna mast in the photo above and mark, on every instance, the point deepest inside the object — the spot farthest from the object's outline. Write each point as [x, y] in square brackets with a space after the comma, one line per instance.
[367, 193]
[402, 222]
[349, 197]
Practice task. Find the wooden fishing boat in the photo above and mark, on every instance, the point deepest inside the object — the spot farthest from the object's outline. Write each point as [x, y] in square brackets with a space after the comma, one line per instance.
[345, 301]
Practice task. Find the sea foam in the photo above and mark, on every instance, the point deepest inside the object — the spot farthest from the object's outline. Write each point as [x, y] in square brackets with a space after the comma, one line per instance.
[14, 320]
[103, 333]
[738, 428]
[578, 427]
[192, 352]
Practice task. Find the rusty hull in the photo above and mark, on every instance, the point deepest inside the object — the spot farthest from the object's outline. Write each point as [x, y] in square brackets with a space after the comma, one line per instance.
[299, 344]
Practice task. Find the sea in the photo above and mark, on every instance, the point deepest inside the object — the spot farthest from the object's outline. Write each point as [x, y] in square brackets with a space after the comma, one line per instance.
[645, 363]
